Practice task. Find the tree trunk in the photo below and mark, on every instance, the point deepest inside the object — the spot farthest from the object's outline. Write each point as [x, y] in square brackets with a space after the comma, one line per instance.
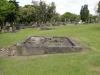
[2, 27]
[13, 26]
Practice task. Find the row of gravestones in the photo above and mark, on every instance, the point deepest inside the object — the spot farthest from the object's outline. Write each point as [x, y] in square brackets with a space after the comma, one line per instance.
[48, 24]
[8, 28]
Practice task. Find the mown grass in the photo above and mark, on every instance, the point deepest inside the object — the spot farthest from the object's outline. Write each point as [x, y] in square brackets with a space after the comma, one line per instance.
[84, 63]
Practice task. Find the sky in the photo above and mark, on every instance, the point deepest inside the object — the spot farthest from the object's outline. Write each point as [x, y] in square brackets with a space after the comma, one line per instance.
[72, 6]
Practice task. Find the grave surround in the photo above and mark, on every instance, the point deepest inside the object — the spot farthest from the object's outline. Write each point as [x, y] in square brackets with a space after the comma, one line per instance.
[37, 45]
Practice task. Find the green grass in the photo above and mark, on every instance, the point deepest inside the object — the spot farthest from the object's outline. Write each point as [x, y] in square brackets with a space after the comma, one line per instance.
[85, 63]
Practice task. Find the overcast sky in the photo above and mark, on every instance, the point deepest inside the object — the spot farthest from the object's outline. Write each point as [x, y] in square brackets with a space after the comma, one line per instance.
[63, 6]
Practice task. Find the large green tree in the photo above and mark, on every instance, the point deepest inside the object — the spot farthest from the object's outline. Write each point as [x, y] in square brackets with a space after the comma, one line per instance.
[98, 11]
[4, 10]
[84, 13]
[13, 12]
[69, 17]
[26, 14]
[98, 7]
[43, 11]
[51, 12]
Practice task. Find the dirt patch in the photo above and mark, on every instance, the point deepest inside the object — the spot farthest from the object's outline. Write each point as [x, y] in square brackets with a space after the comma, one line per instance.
[96, 69]
[37, 45]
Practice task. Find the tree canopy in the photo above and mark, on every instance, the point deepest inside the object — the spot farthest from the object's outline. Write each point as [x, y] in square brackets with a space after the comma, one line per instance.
[8, 12]
[84, 13]
[69, 17]
[98, 7]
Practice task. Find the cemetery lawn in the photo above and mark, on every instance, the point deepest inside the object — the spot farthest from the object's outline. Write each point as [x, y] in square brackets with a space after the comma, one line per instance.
[83, 63]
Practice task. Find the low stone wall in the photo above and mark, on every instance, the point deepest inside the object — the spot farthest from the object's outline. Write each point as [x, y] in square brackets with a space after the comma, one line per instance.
[23, 51]
[4, 52]
[42, 45]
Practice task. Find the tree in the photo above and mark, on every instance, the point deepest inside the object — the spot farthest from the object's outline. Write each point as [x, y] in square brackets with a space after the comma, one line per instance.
[98, 11]
[26, 14]
[92, 18]
[43, 11]
[12, 14]
[56, 17]
[98, 7]
[51, 12]
[4, 9]
[66, 17]
[84, 13]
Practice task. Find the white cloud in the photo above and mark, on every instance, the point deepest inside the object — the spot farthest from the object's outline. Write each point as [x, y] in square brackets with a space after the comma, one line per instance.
[73, 6]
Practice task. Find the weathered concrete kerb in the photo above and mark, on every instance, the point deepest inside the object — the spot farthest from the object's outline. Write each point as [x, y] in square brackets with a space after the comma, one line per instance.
[36, 45]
